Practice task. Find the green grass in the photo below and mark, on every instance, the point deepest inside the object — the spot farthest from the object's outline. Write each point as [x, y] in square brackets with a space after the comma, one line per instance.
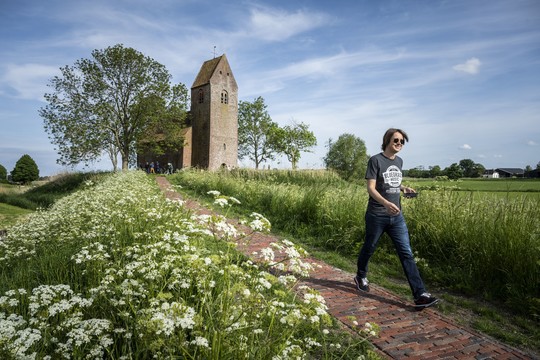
[10, 214]
[45, 193]
[16, 201]
[485, 185]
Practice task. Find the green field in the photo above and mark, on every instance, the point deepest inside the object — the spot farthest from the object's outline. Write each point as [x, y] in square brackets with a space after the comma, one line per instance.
[484, 185]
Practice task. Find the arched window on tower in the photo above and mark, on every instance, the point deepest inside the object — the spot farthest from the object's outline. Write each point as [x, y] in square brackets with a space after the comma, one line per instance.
[201, 96]
[224, 97]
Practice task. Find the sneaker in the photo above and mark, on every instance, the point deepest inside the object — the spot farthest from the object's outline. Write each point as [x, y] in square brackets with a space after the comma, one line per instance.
[425, 300]
[362, 284]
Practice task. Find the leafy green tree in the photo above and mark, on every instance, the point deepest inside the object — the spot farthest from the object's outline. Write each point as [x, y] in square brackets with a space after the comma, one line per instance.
[454, 171]
[25, 171]
[3, 174]
[257, 133]
[467, 166]
[348, 156]
[471, 169]
[165, 131]
[435, 171]
[538, 166]
[417, 172]
[291, 140]
[107, 104]
[478, 170]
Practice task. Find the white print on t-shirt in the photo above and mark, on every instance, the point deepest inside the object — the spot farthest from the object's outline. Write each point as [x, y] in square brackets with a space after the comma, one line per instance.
[392, 176]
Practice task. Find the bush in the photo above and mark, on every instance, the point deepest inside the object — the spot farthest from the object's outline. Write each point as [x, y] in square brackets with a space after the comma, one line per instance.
[25, 170]
[3, 174]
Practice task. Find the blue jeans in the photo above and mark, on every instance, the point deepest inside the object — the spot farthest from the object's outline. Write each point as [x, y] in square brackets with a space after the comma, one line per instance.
[396, 228]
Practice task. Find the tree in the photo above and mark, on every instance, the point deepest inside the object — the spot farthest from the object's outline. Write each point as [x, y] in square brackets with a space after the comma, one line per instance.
[165, 131]
[454, 171]
[417, 172]
[3, 174]
[471, 169]
[435, 171]
[107, 104]
[291, 140]
[256, 132]
[25, 170]
[347, 156]
[478, 170]
[467, 166]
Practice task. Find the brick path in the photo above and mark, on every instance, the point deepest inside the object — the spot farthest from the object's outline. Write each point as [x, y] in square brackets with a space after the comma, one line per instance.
[404, 332]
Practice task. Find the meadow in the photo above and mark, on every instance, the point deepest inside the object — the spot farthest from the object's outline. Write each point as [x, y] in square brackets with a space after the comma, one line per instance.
[114, 270]
[467, 239]
[44, 193]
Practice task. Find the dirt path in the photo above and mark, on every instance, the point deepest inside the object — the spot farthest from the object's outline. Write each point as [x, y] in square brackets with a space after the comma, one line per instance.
[404, 332]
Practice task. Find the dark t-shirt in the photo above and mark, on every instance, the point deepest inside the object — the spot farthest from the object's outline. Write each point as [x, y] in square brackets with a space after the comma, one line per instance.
[388, 176]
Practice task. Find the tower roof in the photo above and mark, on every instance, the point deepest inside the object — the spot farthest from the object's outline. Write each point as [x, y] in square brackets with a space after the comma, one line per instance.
[206, 72]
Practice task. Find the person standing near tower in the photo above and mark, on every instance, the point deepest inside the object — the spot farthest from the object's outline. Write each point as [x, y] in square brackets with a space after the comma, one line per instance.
[384, 214]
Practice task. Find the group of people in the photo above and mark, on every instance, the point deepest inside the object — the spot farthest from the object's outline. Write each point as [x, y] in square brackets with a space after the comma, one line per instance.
[156, 168]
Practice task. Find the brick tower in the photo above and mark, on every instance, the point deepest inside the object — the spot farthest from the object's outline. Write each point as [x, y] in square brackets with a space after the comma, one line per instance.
[214, 115]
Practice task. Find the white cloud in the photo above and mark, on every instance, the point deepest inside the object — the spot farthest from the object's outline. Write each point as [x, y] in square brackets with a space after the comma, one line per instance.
[279, 25]
[465, 147]
[336, 67]
[532, 143]
[28, 80]
[471, 66]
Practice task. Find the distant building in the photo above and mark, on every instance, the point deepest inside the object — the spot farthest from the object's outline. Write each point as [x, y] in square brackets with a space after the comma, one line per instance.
[490, 174]
[211, 138]
[503, 173]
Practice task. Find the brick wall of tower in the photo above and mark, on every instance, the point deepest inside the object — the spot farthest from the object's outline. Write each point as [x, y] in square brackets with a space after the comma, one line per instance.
[200, 137]
[224, 119]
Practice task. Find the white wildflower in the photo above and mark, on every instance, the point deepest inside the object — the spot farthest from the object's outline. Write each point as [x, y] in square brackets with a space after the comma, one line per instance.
[221, 202]
[200, 341]
[268, 254]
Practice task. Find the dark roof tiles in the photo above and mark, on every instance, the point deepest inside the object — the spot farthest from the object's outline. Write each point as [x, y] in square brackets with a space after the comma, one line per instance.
[206, 72]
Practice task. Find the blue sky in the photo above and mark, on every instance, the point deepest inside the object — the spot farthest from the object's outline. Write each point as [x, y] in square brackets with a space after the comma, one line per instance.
[461, 77]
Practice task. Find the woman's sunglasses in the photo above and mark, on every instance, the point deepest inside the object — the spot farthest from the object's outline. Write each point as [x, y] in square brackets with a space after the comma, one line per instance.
[401, 141]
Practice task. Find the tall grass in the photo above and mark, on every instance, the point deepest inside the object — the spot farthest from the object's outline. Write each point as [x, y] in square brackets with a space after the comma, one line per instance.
[481, 244]
[487, 246]
[329, 211]
[116, 271]
[45, 195]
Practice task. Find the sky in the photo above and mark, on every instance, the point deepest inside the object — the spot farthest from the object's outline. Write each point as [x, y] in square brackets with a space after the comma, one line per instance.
[461, 77]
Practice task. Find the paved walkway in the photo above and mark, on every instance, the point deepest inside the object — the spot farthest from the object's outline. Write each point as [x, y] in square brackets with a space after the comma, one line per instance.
[404, 332]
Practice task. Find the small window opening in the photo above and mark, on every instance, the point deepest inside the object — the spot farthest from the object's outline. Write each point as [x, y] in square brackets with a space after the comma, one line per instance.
[224, 97]
[201, 96]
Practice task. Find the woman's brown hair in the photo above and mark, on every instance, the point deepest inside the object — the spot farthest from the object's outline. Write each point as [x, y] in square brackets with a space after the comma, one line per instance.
[388, 137]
